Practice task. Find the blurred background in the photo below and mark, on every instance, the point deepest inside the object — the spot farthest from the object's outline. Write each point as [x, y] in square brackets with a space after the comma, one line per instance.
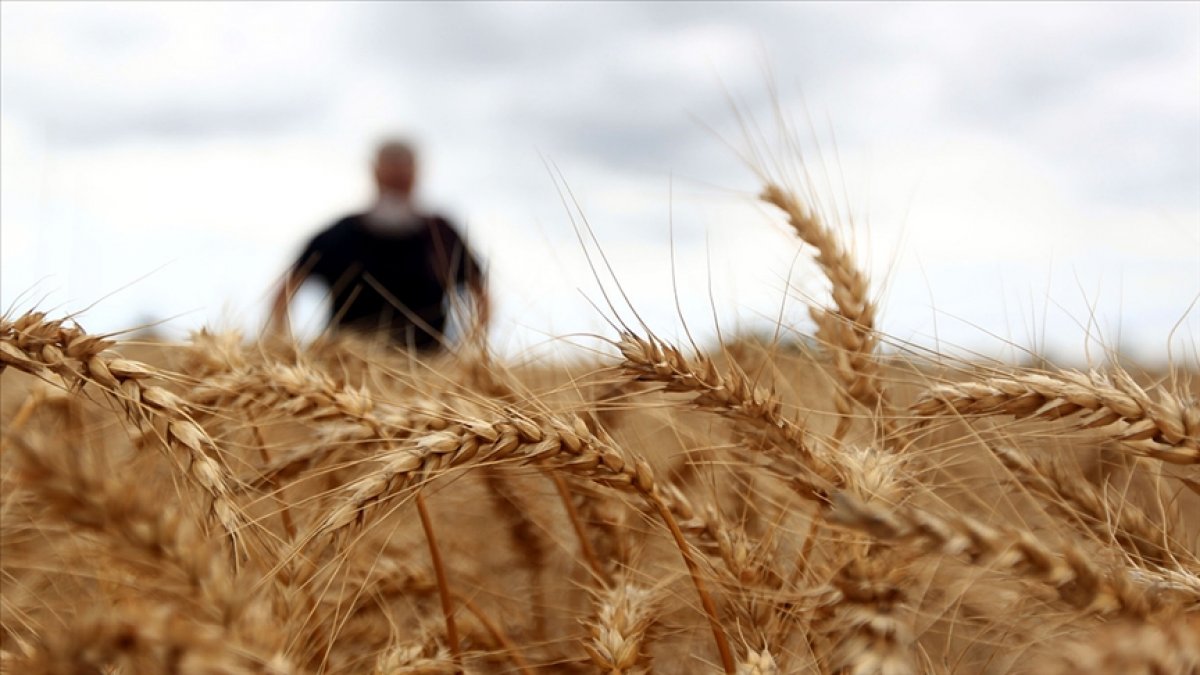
[1018, 176]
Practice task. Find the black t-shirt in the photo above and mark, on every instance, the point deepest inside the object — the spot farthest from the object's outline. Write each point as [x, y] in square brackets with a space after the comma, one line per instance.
[390, 282]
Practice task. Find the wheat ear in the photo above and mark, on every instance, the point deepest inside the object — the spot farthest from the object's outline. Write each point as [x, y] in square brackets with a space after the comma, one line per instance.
[1167, 429]
[1124, 648]
[848, 329]
[35, 345]
[569, 447]
[1078, 581]
[617, 635]
[730, 394]
[1125, 522]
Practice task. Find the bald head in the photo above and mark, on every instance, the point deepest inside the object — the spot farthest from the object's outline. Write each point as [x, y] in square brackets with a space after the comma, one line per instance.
[395, 168]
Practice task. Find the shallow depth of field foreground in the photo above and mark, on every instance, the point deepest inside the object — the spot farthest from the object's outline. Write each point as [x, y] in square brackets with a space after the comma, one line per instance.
[806, 506]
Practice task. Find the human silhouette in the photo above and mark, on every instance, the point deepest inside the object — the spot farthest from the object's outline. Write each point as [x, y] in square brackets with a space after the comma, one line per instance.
[392, 270]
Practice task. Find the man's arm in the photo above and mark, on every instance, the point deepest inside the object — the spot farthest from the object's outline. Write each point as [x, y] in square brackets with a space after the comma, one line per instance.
[482, 301]
[279, 323]
[309, 264]
[459, 268]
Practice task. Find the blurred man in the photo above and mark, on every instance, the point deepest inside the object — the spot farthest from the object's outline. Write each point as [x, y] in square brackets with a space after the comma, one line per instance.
[392, 270]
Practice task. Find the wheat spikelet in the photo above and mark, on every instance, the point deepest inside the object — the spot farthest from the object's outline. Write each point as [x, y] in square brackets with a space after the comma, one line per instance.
[416, 659]
[758, 663]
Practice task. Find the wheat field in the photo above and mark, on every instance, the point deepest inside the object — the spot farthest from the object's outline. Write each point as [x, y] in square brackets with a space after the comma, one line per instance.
[823, 505]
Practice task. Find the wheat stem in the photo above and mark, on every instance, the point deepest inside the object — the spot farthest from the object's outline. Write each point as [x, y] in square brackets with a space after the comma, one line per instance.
[439, 570]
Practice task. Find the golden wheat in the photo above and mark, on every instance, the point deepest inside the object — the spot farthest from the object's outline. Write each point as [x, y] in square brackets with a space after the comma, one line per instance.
[339, 508]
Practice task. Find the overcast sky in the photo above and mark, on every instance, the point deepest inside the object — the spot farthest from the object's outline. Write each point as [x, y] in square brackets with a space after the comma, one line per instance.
[1014, 173]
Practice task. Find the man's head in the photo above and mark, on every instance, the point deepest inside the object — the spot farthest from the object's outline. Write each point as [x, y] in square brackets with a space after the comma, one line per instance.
[395, 168]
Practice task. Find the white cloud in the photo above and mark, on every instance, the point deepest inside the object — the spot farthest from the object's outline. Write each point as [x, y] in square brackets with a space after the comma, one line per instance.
[99, 73]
